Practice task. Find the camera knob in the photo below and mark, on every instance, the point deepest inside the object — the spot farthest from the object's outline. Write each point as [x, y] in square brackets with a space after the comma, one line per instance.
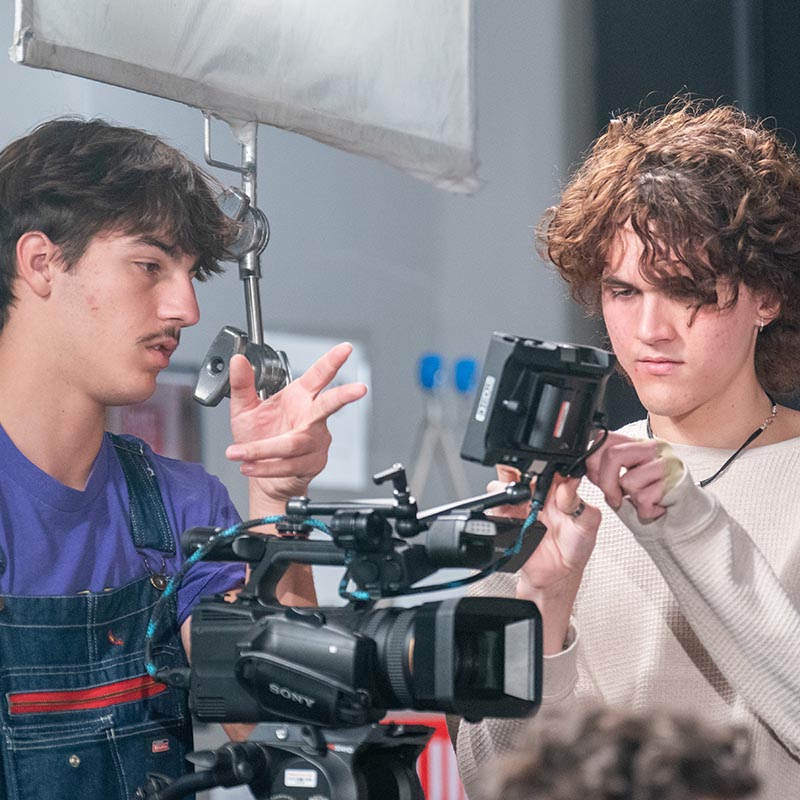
[365, 573]
[392, 574]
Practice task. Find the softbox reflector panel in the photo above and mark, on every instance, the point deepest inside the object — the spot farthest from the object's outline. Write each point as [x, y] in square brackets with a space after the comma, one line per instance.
[391, 79]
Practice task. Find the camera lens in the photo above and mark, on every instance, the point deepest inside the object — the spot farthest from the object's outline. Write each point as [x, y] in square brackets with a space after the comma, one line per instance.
[468, 656]
[424, 662]
[392, 631]
[477, 661]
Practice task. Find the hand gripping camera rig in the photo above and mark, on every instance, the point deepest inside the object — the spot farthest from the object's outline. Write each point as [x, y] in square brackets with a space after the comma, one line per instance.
[322, 678]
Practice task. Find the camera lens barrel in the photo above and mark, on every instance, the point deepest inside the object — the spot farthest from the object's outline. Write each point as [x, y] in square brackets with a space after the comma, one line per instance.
[471, 656]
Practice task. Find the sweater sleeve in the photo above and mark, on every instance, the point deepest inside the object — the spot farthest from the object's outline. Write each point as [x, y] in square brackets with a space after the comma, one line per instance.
[733, 600]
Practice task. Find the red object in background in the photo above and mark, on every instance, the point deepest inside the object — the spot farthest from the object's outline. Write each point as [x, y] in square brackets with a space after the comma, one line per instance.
[145, 421]
[436, 766]
[169, 420]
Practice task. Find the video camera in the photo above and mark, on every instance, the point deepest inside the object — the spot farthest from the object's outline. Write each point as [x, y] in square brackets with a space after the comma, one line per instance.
[323, 677]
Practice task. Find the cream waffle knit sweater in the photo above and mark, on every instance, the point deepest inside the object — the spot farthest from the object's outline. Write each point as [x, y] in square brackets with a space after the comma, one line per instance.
[699, 610]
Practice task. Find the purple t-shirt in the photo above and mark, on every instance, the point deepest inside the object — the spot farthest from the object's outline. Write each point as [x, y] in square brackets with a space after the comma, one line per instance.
[55, 540]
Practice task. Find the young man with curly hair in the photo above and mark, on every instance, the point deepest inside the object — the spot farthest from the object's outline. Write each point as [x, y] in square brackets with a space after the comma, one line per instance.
[103, 232]
[673, 578]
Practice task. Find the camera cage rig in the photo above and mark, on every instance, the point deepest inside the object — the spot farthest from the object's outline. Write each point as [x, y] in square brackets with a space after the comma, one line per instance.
[362, 540]
[536, 406]
[535, 410]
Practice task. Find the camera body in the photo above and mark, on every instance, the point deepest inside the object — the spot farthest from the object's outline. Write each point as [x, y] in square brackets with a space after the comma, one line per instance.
[337, 667]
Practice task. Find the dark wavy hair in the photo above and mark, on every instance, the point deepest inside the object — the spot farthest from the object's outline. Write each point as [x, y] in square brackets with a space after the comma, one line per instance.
[702, 185]
[74, 179]
[613, 754]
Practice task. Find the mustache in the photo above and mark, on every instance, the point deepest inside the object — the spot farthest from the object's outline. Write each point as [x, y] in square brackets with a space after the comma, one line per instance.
[170, 332]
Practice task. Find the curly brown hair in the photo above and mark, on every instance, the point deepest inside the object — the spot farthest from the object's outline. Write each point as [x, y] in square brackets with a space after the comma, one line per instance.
[703, 186]
[612, 754]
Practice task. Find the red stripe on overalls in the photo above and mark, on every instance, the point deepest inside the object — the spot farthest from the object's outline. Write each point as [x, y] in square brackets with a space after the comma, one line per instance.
[110, 694]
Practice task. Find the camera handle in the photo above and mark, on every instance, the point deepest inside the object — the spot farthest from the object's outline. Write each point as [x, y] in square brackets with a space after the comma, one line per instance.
[361, 527]
[361, 763]
[512, 494]
[233, 764]
[410, 521]
[374, 531]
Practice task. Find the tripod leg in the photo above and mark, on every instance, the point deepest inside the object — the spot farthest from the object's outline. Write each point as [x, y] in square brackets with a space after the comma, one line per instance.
[423, 461]
[455, 466]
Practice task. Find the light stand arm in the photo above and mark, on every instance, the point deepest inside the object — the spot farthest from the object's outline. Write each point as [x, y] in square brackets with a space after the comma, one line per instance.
[271, 367]
[250, 262]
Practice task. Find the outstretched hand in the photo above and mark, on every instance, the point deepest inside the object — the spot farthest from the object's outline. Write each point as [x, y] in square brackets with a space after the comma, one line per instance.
[282, 442]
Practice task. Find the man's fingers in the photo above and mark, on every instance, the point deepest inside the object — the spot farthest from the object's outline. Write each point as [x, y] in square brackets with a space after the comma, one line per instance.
[507, 474]
[324, 369]
[243, 385]
[331, 401]
[285, 445]
[298, 467]
[643, 471]
[650, 473]
[566, 495]
[618, 457]
[647, 501]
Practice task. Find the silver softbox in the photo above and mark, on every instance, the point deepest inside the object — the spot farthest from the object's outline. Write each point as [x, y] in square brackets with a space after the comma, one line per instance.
[392, 79]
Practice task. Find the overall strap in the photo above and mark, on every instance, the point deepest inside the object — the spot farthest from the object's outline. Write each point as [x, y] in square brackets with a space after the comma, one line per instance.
[149, 525]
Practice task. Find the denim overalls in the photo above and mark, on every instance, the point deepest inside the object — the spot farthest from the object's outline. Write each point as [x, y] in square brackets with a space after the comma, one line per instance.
[80, 716]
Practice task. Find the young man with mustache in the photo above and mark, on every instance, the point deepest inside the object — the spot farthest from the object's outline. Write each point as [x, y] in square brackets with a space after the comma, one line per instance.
[103, 232]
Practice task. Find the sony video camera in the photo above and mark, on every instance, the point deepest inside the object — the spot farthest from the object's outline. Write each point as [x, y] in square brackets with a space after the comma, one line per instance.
[342, 667]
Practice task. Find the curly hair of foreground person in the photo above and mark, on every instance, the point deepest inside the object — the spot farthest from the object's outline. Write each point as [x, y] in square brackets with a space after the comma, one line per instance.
[713, 195]
[612, 754]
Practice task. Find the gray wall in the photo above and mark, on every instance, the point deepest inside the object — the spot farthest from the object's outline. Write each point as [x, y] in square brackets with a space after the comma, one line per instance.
[362, 251]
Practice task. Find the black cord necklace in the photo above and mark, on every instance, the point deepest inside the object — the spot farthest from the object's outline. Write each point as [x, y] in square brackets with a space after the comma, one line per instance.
[748, 441]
